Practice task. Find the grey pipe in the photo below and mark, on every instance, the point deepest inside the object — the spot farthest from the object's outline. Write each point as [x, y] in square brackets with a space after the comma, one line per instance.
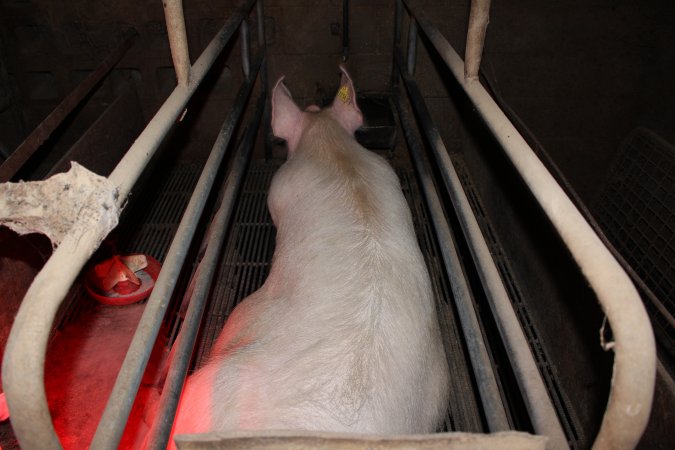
[537, 401]
[23, 364]
[634, 373]
[493, 406]
[116, 413]
[202, 279]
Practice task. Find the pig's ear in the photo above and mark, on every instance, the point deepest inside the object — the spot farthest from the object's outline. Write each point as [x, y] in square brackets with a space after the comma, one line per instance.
[344, 105]
[286, 116]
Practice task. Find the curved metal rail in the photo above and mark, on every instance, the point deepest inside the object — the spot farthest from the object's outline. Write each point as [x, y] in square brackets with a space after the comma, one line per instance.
[632, 386]
[24, 361]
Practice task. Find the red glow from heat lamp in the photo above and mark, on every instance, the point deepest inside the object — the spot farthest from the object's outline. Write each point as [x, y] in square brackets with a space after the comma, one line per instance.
[82, 363]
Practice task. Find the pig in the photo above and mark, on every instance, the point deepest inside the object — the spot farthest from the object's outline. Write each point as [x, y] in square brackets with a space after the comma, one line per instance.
[343, 335]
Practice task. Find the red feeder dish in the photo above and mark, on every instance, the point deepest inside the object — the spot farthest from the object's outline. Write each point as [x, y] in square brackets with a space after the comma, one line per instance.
[122, 280]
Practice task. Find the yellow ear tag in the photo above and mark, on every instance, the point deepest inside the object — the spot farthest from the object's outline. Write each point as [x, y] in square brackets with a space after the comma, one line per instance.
[343, 94]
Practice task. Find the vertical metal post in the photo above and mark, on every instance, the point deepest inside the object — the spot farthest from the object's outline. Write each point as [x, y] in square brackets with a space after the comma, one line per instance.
[245, 49]
[345, 30]
[260, 16]
[398, 21]
[412, 46]
[479, 17]
[175, 28]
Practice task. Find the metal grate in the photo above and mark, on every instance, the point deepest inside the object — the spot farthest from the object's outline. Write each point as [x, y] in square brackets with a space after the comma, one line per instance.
[568, 419]
[246, 261]
[247, 256]
[636, 209]
[149, 230]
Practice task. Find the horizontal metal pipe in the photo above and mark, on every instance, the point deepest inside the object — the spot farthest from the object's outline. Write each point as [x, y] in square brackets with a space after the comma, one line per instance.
[479, 16]
[493, 406]
[537, 401]
[23, 363]
[634, 372]
[202, 281]
[113, 421]
[14, 163]
[175, 28]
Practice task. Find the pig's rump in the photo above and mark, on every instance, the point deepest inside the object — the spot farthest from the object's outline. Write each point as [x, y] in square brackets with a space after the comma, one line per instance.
[343, 335]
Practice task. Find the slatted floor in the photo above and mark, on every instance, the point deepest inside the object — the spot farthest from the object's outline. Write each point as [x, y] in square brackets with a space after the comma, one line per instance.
[245, 262]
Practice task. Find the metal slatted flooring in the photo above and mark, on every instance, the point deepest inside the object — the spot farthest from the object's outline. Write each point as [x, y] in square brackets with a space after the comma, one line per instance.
[152, 224]
[246, 261]
[569, 421]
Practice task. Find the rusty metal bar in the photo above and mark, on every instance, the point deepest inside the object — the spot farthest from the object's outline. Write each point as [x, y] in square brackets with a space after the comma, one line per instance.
[41, 133]
[633, 376]
[175, 28]
[24, 361]
[479, 16]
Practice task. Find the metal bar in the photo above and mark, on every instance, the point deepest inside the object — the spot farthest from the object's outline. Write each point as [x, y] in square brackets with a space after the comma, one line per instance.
[634, 373]
[116, 413]
[535, 395]
[130, 167]
[493, 406]
[23, 364]
[345, 30]
[412, 46]
[479, 16]
[203, 279]
[41, 133]
[260, 17]
[175, 28]
[245, 37]
[398, 24]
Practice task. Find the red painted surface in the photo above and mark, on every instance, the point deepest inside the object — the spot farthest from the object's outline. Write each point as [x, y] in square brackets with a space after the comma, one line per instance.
[82, 364]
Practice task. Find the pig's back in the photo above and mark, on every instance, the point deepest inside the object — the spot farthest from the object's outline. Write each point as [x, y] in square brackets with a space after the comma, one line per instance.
[343, 335]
